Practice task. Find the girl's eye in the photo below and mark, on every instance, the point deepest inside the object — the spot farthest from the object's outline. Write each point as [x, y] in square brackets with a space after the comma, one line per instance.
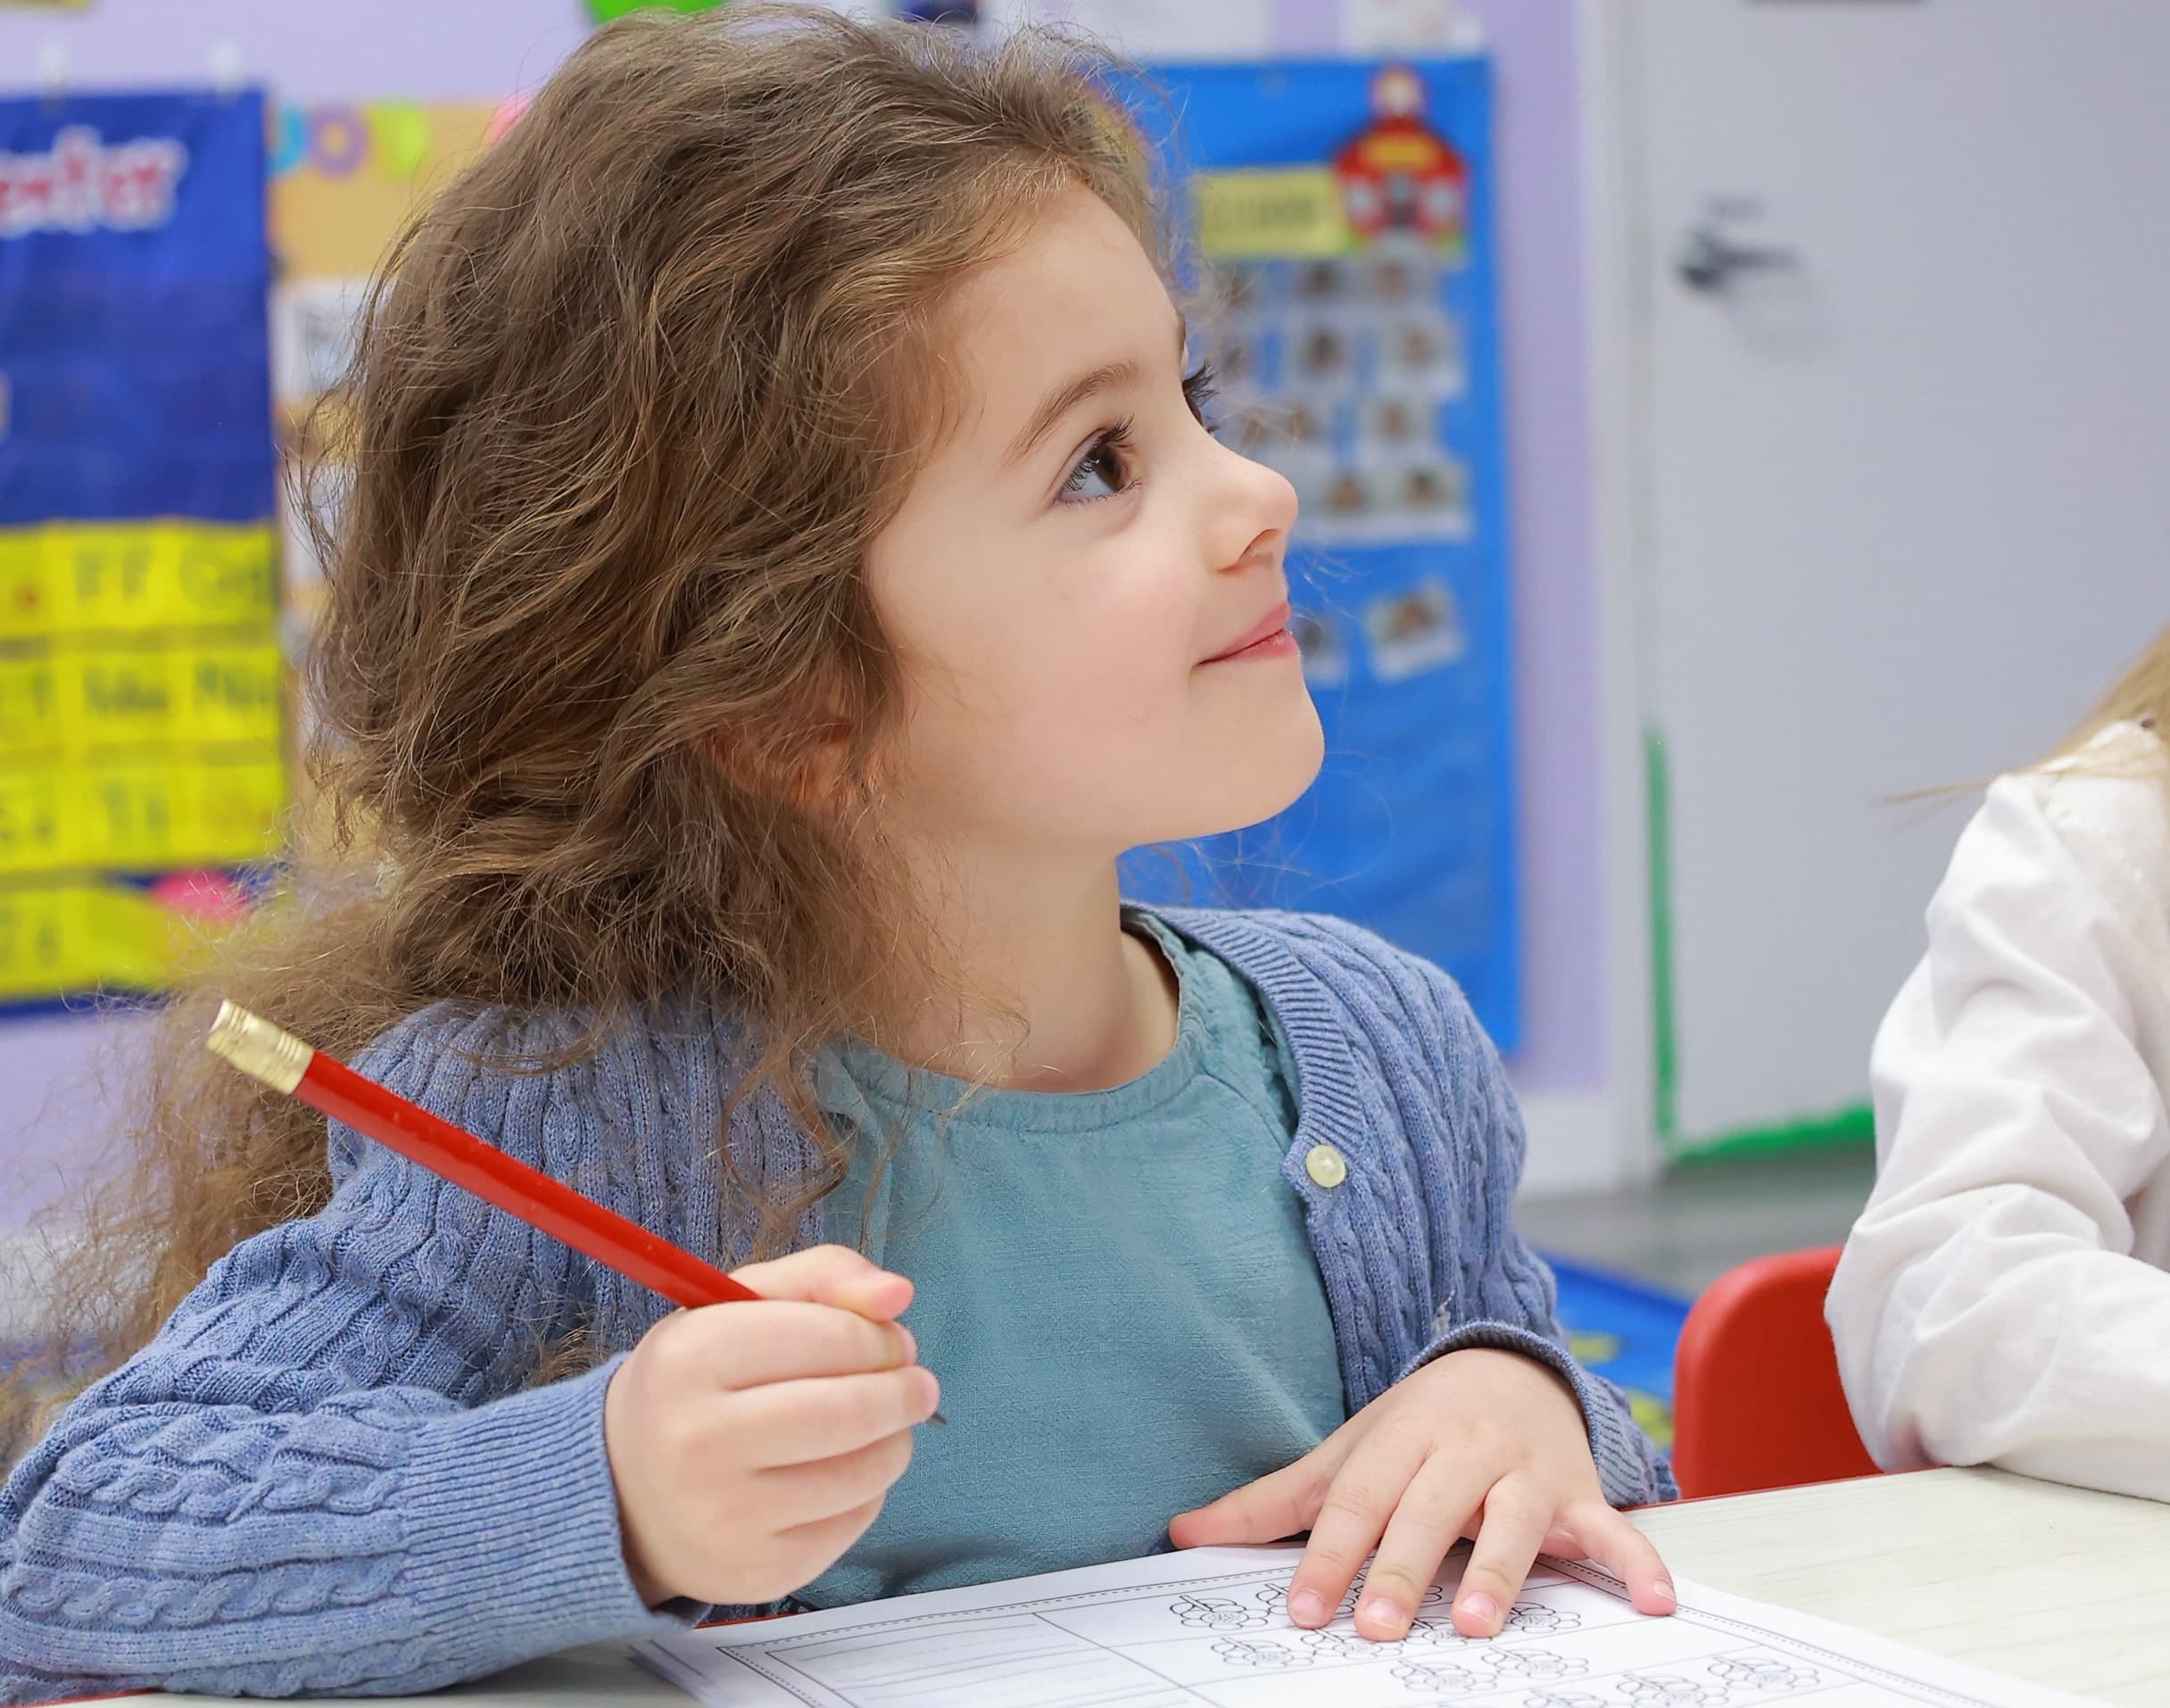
[1104, 470]
[1201, 386]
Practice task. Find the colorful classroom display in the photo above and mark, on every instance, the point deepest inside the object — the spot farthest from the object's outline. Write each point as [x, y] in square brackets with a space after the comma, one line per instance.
[344, 179]
[141, 675]
[1627, 1332]
[1340, 213]
[151, 593]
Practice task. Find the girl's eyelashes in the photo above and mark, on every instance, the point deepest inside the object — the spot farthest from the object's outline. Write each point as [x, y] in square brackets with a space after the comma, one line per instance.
[1104, 470]
[1201, 386]
[1107, 467]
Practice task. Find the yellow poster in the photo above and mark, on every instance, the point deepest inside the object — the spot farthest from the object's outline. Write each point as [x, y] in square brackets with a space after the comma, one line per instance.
[1254, 212]
[344, 177]
[142, 711]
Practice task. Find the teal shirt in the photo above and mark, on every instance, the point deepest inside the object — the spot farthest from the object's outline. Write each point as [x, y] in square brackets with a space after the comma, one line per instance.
[1115, 1288]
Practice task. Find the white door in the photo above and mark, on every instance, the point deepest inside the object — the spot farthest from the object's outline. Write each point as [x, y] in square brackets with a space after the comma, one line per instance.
[1904, 477]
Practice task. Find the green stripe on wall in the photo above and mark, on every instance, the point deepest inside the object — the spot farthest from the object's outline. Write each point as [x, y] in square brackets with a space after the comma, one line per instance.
[1658, 815]
[1855, 1124]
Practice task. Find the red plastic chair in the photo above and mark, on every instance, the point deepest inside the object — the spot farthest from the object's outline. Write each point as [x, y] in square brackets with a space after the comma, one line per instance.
[1756, 1397]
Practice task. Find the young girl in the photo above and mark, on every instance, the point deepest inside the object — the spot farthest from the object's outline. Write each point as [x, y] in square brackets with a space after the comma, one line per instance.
[2004, 1297]
[785, 567]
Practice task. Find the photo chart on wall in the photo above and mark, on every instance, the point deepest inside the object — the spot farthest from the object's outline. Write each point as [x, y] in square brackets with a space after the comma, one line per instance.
[1339, 213]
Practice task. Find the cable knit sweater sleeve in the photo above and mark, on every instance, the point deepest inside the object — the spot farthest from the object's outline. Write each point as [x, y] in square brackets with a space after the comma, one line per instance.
[1496, 1291]
[324, 1475]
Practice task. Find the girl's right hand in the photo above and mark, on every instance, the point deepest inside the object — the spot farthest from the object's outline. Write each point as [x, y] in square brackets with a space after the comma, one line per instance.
[751, 1444]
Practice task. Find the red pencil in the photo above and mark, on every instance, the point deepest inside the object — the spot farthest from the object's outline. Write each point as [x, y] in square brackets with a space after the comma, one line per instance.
[285, 1063]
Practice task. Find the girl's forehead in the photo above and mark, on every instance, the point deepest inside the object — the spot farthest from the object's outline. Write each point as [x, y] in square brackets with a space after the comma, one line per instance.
[1077, 292]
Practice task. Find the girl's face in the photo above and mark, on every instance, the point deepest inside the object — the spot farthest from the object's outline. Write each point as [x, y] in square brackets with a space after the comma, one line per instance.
[1074, 579]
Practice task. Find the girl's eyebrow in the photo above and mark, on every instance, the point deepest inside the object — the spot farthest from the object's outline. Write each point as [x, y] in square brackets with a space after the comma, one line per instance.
[1107, 378]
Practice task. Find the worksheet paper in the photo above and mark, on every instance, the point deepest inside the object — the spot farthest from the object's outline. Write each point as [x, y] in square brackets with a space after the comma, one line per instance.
[1207, 1626]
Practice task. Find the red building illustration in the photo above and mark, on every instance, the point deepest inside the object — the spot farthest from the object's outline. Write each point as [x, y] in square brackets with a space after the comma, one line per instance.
[1400, 175]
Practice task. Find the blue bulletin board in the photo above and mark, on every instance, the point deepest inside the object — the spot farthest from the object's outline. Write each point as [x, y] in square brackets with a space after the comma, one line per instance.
[141, 753]
[1340, 216]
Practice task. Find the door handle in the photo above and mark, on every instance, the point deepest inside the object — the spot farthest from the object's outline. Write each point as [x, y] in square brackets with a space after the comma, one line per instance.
[1709, 258]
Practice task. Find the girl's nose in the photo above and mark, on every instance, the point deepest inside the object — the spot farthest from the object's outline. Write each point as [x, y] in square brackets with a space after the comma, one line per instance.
[1250, 513]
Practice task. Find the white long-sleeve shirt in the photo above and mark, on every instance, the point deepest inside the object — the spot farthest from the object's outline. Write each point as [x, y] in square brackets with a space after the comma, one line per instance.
[2006, 1296]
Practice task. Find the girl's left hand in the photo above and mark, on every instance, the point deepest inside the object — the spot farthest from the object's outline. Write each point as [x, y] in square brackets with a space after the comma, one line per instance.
[1479, 1443]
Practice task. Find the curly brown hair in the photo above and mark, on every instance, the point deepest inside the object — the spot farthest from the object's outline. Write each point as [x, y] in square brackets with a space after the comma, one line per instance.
[633, 397]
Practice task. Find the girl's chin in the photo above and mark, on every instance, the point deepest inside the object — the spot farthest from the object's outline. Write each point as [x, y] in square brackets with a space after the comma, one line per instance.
[1265, 776]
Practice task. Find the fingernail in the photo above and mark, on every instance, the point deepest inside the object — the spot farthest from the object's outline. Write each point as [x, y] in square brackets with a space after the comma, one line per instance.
[1664, 1586]
[1481, 1608]
[1385, 1614]
[911, 1345]
[929, 1392]
[1307, 1607]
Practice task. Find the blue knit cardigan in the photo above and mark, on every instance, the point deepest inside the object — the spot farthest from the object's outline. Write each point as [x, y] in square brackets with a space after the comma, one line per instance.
[331, 1472]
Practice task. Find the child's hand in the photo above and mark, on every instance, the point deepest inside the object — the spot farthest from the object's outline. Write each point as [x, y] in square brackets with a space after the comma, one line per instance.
[751, 1444]
[1480, 1443]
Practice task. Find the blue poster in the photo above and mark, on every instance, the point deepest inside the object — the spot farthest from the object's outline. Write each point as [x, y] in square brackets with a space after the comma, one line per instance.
[134, 282]
[1340, 217]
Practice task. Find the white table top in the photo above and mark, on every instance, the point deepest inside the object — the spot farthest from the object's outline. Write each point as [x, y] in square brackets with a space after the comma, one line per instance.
[2061, 1587]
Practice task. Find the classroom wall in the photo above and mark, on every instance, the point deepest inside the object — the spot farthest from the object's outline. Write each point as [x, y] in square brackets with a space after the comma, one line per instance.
[54, 1070]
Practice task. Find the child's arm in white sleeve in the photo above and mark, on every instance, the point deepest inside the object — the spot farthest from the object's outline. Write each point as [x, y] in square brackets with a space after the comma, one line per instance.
[1990, 1305]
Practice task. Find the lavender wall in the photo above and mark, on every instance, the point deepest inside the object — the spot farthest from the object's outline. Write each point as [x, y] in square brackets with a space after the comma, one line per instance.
[51, 1070]
[1538, 52]
[319, 50]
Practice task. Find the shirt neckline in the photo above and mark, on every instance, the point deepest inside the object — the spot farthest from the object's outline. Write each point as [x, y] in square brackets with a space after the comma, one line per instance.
[896, 1088]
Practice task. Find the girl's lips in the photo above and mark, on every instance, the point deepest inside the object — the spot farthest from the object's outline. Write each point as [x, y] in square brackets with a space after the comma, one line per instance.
[1268, 638]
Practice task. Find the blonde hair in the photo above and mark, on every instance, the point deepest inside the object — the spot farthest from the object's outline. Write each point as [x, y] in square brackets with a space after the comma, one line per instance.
[2143, 697]
[633, 397]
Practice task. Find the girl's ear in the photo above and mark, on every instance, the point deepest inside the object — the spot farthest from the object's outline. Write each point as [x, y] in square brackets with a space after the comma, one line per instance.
[801, 767]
